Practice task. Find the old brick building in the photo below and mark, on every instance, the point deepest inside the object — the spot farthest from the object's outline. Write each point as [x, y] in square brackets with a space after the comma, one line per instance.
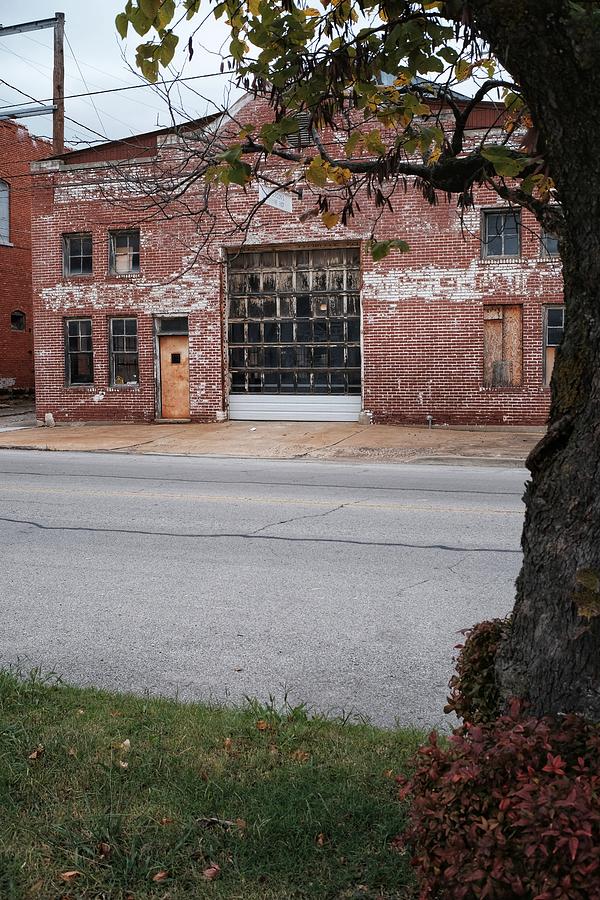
[17, 149]
[145, 315]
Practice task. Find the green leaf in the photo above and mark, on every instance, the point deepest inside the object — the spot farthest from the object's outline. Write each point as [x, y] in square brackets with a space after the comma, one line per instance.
[149, 8]
[122, 24]
[236, 173]
[380, 249]
[166, 12]
[505, 161]
[167, 50]
[140, 22]
[353, 141]
[317, 172]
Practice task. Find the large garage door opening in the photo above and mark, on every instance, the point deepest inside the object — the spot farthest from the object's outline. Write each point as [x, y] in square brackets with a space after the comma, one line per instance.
[294, 334]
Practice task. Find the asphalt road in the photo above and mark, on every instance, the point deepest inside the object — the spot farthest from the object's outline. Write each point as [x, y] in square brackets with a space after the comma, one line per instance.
[342, 586]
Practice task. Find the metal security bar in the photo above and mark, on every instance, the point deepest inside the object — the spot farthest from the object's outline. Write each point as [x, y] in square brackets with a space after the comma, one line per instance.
[294, 321]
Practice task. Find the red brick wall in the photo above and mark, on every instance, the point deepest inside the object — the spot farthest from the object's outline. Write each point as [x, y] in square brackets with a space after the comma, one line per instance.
[17, 149]
[422, 312]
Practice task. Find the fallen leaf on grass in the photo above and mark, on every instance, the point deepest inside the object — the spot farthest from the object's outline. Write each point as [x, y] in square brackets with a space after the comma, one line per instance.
[228, 744]
[166, 821]
[388, 773]
[116, 714]
[123, 764]
[301, 755]
[72, 751]
[262, 725]
[103, 849]
[160, 876]
[69, 876]
[125, 746]
[80, 712]
[212, 872]
[241, 824]
[320, 839]
[35, 754]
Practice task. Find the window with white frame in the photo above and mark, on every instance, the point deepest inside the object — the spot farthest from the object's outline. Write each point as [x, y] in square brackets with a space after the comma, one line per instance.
[79, 360]
[77, 254]
[123, 352]
[4, 212]
[501, 233]
[124, 252]
[554, 329]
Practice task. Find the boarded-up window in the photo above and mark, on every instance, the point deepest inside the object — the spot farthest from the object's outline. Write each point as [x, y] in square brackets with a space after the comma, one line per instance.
[124, 252]
[502, 346]
[554, 327]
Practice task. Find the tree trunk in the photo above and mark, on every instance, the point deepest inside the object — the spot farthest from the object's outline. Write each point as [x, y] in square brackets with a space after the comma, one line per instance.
[552, 655]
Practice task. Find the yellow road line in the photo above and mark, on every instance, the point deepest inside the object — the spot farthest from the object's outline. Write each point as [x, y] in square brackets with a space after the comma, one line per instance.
[261, 501]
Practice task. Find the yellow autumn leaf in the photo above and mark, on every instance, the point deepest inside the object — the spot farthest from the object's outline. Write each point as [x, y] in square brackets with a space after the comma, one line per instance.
[311, 12]
[330, 219]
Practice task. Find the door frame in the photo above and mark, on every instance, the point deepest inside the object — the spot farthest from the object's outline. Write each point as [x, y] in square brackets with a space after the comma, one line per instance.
[157, 336]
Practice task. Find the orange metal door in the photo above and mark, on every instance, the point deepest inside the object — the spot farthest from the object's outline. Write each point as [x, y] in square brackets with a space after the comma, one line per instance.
[174, 377]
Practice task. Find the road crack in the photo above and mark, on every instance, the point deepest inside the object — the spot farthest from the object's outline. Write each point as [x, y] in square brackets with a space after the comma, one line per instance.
[320, 515]
[257, 537]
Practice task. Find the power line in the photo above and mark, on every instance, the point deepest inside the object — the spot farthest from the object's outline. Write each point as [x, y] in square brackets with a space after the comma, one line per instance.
[132, 87]
[84, 82]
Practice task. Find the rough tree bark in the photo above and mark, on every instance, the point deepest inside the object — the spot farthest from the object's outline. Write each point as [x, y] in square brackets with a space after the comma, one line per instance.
[552, 655]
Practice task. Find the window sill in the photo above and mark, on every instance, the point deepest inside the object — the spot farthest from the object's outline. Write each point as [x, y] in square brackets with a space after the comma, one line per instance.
[124, 387]
[119, 276]
[501, 259]
[6, 244]
[77, 277]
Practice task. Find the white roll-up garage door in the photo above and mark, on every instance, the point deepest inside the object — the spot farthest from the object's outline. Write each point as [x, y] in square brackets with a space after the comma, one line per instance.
[294, 334]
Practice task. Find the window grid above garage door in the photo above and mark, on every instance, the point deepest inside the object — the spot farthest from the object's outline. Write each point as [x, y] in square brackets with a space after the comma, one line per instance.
[294, 321]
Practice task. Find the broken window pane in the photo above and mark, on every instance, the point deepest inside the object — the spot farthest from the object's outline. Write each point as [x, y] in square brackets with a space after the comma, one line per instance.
[303, 306]
[290, 352]
[124, 252]
[501, 233]
[123, 352]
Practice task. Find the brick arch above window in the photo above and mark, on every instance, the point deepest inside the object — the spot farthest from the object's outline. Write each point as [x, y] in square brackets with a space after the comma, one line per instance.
[4, 212]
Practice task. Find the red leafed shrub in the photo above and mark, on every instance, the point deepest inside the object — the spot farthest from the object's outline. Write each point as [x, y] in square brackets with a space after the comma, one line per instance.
[510, 809]
[474, 694]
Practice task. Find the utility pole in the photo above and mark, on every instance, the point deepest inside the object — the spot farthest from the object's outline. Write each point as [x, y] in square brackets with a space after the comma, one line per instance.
[58, 80]
[58, 86]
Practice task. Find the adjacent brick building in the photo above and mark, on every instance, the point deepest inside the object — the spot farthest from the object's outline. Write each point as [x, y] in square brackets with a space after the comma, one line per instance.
[17, 149]
[143, 315]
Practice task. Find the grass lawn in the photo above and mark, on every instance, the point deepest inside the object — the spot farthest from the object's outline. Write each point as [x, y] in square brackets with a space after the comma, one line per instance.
[113, 796]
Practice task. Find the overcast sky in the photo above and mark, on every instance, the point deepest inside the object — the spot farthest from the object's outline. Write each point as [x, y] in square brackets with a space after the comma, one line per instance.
[94, 62]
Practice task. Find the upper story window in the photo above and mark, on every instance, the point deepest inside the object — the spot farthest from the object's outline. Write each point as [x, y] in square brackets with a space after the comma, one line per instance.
[549, 244]
[4, 212]
[124, 252]
[17, 320]
[77, 254]
[501, 233]
[302, 137]
[79, 363]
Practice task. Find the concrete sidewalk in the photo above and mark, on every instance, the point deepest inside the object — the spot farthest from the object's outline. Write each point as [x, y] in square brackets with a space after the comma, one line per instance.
[290, 440]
